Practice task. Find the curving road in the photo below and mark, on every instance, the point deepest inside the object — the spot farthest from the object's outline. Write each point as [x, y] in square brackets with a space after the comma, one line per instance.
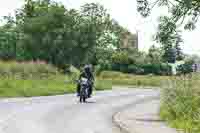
[63, 114]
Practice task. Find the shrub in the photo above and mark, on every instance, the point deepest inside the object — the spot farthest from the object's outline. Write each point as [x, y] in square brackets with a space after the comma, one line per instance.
[115, 67]
[120, 57]
[105, 65]
[185, 68]
[165, 69]
[124, 68]
[157, 69]
[120, 67]
[135, 69]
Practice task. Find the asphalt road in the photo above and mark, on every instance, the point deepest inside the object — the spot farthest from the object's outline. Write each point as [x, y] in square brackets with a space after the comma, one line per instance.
[64, 114]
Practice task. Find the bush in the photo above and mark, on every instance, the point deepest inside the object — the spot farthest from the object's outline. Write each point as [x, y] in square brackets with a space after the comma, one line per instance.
[130, 62]
[143, 69]
[105, 65]
[120, 67]
[135, 69]
[157, 69]
[124, 68]
[120, 57]
[185, 68]
[115, 67]
[165, 69]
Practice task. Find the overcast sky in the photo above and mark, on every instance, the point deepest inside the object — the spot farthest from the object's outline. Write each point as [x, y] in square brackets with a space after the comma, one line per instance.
[124, 11]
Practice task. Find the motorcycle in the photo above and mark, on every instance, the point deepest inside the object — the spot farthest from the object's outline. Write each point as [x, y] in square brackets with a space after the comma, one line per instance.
[84, 83]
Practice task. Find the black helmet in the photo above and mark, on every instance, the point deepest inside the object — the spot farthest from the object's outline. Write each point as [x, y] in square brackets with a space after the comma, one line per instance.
[87, 68]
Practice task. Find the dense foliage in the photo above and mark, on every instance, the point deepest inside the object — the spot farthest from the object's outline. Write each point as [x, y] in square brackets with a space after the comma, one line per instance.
[46, 30]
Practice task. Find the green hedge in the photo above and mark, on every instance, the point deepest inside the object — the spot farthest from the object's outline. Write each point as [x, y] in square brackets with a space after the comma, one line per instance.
[143, 69]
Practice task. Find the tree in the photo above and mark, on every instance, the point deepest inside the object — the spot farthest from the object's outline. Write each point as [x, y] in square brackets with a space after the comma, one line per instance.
[29, 8]
[106, 32]
[52, 33]
[108, 40]
[181, 12]
[155, 55]
[169, 54]
[46, 30]
[179, 53]
[97, 16]
[8, 40]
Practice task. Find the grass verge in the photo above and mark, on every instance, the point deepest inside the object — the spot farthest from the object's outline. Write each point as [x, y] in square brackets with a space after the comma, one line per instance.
[45, 87]
[180, 103]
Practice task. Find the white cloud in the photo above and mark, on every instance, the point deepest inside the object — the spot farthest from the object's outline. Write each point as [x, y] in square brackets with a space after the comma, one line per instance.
[125, 12]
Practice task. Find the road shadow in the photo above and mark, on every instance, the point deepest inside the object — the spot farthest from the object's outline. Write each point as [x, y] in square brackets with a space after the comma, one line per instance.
[149, 120]
[88, 102]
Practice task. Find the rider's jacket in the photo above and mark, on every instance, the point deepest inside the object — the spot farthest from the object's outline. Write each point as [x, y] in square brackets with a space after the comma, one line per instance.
[87, 75]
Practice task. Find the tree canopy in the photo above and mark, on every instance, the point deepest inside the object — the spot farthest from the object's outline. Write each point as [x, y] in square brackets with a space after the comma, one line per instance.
[47, 30]
[181, 13]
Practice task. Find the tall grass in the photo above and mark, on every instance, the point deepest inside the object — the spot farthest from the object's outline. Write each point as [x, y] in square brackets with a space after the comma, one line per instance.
[29, 88]
[180, 103]
[28, 79]
[26, 70]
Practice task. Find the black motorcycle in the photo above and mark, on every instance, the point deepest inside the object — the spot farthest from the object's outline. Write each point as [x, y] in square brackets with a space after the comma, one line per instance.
[84, 88]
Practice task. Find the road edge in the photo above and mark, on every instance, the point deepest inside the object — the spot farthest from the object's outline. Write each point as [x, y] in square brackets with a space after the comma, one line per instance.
[115, 117]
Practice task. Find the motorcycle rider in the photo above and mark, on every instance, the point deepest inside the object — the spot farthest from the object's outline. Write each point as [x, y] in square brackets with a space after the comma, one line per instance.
[86, 73]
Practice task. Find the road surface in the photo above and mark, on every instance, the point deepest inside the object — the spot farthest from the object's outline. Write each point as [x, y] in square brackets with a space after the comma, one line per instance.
[64, 114]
